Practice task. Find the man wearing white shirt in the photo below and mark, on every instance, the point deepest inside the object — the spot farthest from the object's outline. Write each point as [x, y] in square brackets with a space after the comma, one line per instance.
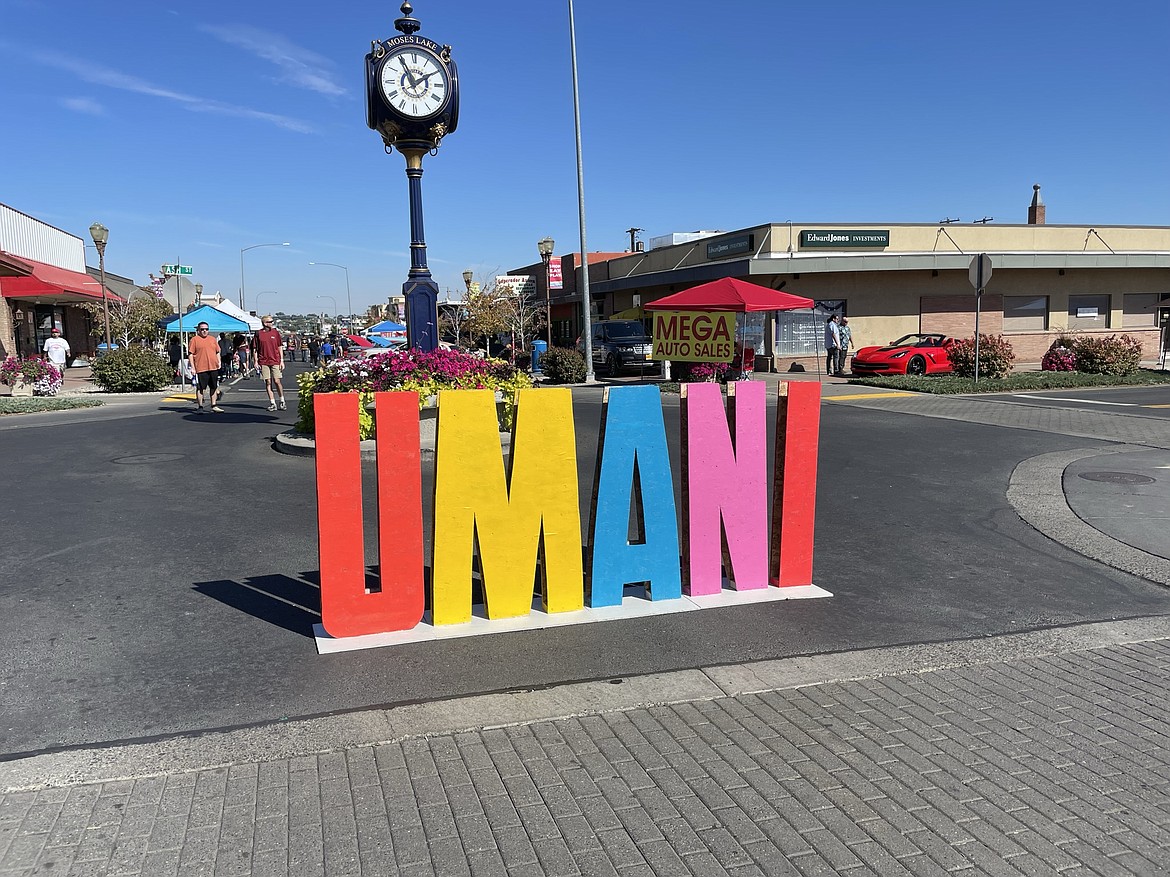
[57, 350]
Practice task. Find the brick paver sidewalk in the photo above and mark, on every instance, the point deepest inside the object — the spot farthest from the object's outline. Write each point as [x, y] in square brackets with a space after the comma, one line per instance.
[1052, 764]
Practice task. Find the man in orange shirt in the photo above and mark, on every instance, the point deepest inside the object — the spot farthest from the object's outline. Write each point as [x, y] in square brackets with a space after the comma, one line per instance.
[203, 352]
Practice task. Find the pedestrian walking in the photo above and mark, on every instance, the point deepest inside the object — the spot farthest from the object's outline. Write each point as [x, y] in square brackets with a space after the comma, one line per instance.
[203, 354]
[845, 341]
[225, 355]
[240, 354]
[268, 349]
[57, 350]
[302, 347]
[327, 352]
[832, 343]
[314, 351]
[174, 355]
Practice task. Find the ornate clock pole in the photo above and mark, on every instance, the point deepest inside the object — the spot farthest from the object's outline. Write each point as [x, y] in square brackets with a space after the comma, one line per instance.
[412, 100]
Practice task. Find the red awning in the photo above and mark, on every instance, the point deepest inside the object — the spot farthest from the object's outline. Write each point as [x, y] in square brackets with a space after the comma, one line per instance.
[729, 294]
[52, 284]
[13, 266]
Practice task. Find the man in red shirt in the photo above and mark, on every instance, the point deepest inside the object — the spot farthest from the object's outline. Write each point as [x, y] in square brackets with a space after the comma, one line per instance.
[269, 355]
[203, 352]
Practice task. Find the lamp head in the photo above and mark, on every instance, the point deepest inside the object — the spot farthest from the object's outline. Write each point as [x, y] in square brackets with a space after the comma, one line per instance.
[99, 233]
[467, 275]
[545, 246]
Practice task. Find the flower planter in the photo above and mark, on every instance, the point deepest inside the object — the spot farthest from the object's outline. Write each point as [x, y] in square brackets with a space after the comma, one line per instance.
[22, 388]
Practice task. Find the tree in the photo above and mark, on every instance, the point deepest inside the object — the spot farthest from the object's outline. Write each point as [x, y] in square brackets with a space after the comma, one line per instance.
[133, 319]
[494, 309]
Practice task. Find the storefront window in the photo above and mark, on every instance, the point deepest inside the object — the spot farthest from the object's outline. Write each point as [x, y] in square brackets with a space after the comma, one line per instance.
[801, 333]
[1140, 310]
[1088, 312]
[1025, 313]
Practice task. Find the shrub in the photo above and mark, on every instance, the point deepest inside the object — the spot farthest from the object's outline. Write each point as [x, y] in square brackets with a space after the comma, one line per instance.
[408, 370]
[562, 365]
[131, 370]
[45, 377]
[1059, 359]
[995, 357]
[707, 371]
[1108, 356]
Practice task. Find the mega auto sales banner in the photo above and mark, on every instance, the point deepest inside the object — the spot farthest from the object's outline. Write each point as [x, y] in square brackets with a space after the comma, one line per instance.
[694, 336]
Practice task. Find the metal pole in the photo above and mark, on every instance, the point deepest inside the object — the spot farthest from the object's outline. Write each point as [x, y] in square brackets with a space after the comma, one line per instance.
[978, 300]
[348, 301]
[101, 248]
[242, 279]
[586, 306]
[548, 300]
[182, 335]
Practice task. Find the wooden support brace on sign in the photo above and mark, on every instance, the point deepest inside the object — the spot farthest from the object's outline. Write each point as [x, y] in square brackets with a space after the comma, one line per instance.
[725, 486]
[794, 490]
[348, 607]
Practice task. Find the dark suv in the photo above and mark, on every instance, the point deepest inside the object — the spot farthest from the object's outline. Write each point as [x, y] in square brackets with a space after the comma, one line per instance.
[620, 345]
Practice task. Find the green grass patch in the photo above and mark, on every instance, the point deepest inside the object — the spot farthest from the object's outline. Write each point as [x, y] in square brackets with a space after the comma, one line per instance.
[36, 404]
[950, 384]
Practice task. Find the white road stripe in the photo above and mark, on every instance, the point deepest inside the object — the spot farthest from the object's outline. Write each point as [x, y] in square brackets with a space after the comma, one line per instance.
[1068, 399]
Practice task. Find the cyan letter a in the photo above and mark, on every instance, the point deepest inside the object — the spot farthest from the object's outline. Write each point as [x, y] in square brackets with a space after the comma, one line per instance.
[633, 435]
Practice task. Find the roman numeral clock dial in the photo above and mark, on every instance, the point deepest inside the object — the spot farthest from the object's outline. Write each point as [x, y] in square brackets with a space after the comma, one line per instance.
[414, 82]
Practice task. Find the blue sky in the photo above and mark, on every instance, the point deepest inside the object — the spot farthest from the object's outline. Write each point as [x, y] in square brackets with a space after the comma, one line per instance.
[195, 130]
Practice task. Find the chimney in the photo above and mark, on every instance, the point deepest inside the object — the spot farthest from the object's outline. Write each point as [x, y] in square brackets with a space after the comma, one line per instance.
[1036, 211]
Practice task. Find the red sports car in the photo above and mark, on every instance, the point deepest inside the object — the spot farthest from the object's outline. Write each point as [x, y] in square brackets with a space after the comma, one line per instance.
[924, 353]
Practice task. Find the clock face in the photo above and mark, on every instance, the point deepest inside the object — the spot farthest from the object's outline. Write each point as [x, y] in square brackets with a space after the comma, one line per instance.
[414, 82]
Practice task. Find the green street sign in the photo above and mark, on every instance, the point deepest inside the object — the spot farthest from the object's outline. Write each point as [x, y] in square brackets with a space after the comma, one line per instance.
[177, 269]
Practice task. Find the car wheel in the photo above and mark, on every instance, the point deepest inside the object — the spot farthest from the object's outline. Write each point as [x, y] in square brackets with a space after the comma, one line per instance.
[916, 366]
[613, 366]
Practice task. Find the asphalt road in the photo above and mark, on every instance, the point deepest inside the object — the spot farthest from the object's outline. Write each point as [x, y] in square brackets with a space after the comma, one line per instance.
[1144, 401]
[158, 571]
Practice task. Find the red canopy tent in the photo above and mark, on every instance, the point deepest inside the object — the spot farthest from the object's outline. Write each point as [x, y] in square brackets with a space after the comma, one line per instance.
[360, 341]
[729, 294]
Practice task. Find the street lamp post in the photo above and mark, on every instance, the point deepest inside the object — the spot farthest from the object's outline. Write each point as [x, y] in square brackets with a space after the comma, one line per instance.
[348, 298]
[100, 235]
[587, 304]
[265, 292]
[545, 246]
[244, 250]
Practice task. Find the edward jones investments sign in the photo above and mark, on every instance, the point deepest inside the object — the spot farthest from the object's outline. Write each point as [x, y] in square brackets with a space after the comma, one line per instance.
[839, 240]
[694, 336]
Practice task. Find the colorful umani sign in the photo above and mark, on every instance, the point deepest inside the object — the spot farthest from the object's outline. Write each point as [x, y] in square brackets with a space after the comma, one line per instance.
[694, 336]
[510, 517]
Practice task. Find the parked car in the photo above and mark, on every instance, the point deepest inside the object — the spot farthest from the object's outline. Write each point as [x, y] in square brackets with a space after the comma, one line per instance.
[923, 353]
[620, 345]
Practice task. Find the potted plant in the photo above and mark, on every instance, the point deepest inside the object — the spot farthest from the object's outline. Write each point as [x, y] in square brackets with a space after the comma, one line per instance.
[29, 377]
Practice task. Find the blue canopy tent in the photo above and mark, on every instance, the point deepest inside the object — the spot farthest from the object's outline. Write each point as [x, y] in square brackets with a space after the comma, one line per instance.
[379, 341]
[387, 328]
[217, 321]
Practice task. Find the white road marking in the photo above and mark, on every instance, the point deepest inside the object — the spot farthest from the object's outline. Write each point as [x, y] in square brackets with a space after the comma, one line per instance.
[1068, 399]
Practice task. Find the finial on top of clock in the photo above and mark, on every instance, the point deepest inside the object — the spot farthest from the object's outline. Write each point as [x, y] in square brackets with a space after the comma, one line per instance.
[407, 24]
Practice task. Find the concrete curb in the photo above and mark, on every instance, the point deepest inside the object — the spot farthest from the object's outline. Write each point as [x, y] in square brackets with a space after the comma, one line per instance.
[1036, 491]
[311, 736]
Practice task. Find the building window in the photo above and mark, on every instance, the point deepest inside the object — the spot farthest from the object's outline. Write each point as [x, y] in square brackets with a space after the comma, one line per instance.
[1025, 313]
[1088, 312]
[800, 333]
[1140, 310]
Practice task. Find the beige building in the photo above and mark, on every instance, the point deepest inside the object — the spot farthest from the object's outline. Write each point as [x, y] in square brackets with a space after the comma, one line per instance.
[894, 279]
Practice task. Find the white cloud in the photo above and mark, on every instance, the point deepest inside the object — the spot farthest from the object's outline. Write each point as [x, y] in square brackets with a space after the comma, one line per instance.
[83, 105]
[299, 67]
[93, 73]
